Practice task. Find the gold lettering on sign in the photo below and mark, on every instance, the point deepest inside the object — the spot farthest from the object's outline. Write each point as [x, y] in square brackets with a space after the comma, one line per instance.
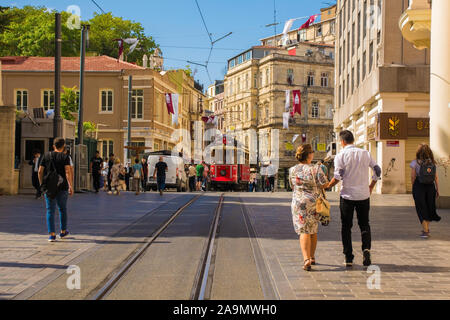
[394, 129]
[419, 125]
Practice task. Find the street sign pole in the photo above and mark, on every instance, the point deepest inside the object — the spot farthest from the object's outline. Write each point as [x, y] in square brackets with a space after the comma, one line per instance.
[130, 90]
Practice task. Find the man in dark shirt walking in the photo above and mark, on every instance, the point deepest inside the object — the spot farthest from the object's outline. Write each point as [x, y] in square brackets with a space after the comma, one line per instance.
[61, 164]
[110, 165]
[96, 170]
[144, 174]
[160, 174]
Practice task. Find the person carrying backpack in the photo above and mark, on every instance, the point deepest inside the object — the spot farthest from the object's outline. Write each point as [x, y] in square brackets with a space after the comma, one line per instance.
[425, 187]
[56, 180]
[138, 173]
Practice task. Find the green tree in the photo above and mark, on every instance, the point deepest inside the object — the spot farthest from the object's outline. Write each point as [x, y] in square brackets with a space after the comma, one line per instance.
[89, 128]
[30, 31]
[69, 102]
[105, 28]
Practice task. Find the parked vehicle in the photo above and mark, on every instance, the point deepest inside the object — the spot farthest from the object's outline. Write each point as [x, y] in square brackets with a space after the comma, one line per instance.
[175, 176]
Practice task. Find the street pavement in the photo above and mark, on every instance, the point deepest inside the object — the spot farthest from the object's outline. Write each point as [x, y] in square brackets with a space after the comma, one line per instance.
[409, 267]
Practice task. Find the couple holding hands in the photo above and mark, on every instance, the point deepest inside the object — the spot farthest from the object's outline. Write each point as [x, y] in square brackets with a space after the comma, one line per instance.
[308, 181]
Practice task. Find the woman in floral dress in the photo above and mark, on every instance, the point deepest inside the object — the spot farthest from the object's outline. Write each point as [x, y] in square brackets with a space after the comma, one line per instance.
[116, 171]
[306, 180]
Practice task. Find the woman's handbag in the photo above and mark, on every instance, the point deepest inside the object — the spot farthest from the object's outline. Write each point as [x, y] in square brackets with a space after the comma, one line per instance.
[323, 207]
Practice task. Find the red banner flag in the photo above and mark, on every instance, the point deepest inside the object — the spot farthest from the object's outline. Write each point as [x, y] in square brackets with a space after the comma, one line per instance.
[169, 103]
[297, 102]
[309, 22]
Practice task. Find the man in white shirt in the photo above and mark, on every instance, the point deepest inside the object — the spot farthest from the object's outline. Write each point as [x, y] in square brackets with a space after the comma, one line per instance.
[351, 167]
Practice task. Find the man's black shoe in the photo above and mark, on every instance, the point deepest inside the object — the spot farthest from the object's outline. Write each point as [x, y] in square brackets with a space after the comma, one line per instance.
[349, 261]
[366, 262]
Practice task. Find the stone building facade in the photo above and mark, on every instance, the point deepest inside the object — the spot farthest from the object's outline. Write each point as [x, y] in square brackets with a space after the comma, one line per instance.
[382, 89]
[255, 99]
[8, 182]
[323, 30]
[28, 83]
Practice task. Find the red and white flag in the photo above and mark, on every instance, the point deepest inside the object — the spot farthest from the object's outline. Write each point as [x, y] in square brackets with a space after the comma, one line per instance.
[309, 22]
[297, 102]
[169, 103]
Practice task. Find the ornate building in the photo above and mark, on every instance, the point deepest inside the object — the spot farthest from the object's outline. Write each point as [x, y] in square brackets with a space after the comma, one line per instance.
[255, 98]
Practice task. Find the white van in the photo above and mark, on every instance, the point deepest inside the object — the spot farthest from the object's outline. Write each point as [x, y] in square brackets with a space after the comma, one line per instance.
[175, 176]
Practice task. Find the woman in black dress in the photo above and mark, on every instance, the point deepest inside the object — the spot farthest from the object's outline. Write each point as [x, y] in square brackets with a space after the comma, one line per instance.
[425, 187]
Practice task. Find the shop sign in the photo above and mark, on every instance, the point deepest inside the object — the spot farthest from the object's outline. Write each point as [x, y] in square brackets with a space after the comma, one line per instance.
[393, 125]
[321, 147]
[418, 127]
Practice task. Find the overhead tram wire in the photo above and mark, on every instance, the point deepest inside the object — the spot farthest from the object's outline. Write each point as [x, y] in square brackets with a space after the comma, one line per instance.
[98, 6]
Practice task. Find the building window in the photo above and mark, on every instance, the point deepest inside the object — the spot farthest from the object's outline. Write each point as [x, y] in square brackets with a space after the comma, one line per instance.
[370, 56]
[310, 80]
[324, 79]
[332, 28]
[106, 100]
[48, 99]
[255, 81]
[359, 29]
[364, 61]
[372, 13]
[348, 83]
[107, 148]
[343, 91]
[343, 55]
[357, 73]
[319, 30]
[364, 19]
[137, 104]
[290, 76]
[22, 100]
[353, 80]
[340, 97]
[340, 59]
[238, 85]
[302, 35]
[267, 76]
[348, 46]
[246, 82]
[353, 39]
[315, 110]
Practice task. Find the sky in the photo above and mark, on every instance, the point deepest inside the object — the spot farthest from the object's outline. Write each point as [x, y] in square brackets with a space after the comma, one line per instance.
[177, 26]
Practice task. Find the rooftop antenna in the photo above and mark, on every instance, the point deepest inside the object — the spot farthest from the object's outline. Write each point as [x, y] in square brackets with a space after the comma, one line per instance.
[274, 21]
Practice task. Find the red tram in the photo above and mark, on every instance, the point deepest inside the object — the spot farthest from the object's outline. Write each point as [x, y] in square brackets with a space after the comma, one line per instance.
[226, 176]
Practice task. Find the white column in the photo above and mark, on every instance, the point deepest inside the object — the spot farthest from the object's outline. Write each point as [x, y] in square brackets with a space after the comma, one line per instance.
[440, 96]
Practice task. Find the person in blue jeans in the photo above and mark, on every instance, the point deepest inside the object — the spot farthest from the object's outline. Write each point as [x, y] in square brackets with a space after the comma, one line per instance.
[160, 173]
[62, 166]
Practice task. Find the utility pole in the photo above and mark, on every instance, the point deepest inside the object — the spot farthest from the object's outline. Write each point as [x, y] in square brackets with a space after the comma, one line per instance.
[84, 31]
[130, 92]
[57, 108]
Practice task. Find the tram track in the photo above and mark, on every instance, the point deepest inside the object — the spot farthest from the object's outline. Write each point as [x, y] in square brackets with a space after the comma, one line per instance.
[117, 275]
[154, 272]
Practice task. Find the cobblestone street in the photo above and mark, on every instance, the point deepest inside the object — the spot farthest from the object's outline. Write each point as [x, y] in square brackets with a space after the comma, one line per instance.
[411, 267]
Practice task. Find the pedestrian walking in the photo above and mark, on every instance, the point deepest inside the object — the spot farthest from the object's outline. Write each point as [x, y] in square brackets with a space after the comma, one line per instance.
[199, 168]
[160, 174]
[56, 178]
[128, 174]
[144, 176]
[252, 182]
[205, 176]
[425, 184]
[34, 163]
[264, 180]
[105, 174]
[351, 166]
[110, 166]
[192, 175]
[96, 167]
[271, 173]
[138, 172]
[117, 177]
[306, 181]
